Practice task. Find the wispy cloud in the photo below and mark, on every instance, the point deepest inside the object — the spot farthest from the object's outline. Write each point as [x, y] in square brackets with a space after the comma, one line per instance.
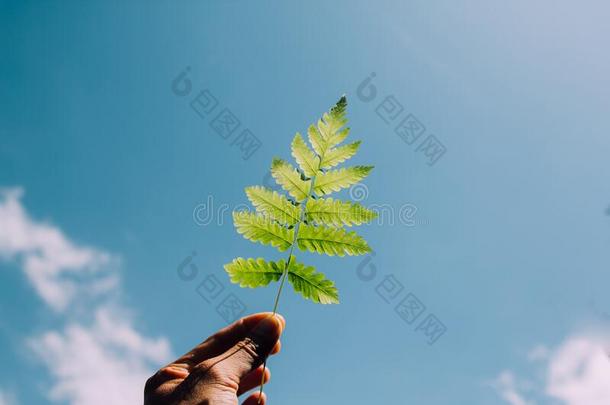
[577, 372]
[6, 398]
[104, 360]
[538, 353]
[58, 269]
[506, 386]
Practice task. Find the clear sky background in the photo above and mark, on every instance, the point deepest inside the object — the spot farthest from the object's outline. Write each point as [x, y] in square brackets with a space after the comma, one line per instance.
[102, 166]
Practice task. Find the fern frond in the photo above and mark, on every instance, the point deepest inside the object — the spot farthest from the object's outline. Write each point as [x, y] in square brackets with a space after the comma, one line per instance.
[253, 273]
[273, 204]
[331, 212]
[258, 228]
[307, 160]
[339, 155]
[311, 284]
[303, 218]
[335, 180]
[331, 241]
[289, 178]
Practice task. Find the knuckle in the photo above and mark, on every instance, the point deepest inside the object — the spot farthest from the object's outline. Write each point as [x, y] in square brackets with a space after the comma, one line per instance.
[151, 382]
[210, 370]
[250, 348]
[214, 375]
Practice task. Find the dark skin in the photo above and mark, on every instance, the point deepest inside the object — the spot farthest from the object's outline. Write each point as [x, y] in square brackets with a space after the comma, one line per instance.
[223, 367]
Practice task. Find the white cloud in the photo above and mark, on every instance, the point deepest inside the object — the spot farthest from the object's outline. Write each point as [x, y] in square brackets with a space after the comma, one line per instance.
[58, 269]
[577, 372]
[539, 352]
[103, 361]
[506, 386]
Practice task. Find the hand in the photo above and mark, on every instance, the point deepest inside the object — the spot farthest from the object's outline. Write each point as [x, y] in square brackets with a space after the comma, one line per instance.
[226, 365]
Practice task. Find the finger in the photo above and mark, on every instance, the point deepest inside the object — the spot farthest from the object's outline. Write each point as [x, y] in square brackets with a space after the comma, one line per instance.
[252, 350]
[277, 347]
[171, 374]
[253, 399]
[253, 379]
[223, 340]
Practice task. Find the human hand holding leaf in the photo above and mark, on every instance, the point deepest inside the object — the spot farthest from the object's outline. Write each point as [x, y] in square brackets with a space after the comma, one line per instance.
[305, 218]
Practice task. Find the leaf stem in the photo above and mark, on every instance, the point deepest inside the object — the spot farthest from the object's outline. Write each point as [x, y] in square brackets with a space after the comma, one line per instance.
[285, 272]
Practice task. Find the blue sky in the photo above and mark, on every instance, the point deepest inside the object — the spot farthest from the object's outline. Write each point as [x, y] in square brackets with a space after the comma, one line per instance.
[102, 167]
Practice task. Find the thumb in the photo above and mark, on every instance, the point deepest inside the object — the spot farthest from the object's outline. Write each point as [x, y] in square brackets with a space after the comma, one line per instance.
[250, 352]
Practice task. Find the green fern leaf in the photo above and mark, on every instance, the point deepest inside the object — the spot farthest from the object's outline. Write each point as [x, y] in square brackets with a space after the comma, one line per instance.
[289, 178]
[338, 137]
[318, 143]
[327, 211]
[253, 273]
[312, 285]
[335, 180]
[311, 223]
[339, 155]
[331, 241]
[258, 228]
[273, 204]
[307, 160]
